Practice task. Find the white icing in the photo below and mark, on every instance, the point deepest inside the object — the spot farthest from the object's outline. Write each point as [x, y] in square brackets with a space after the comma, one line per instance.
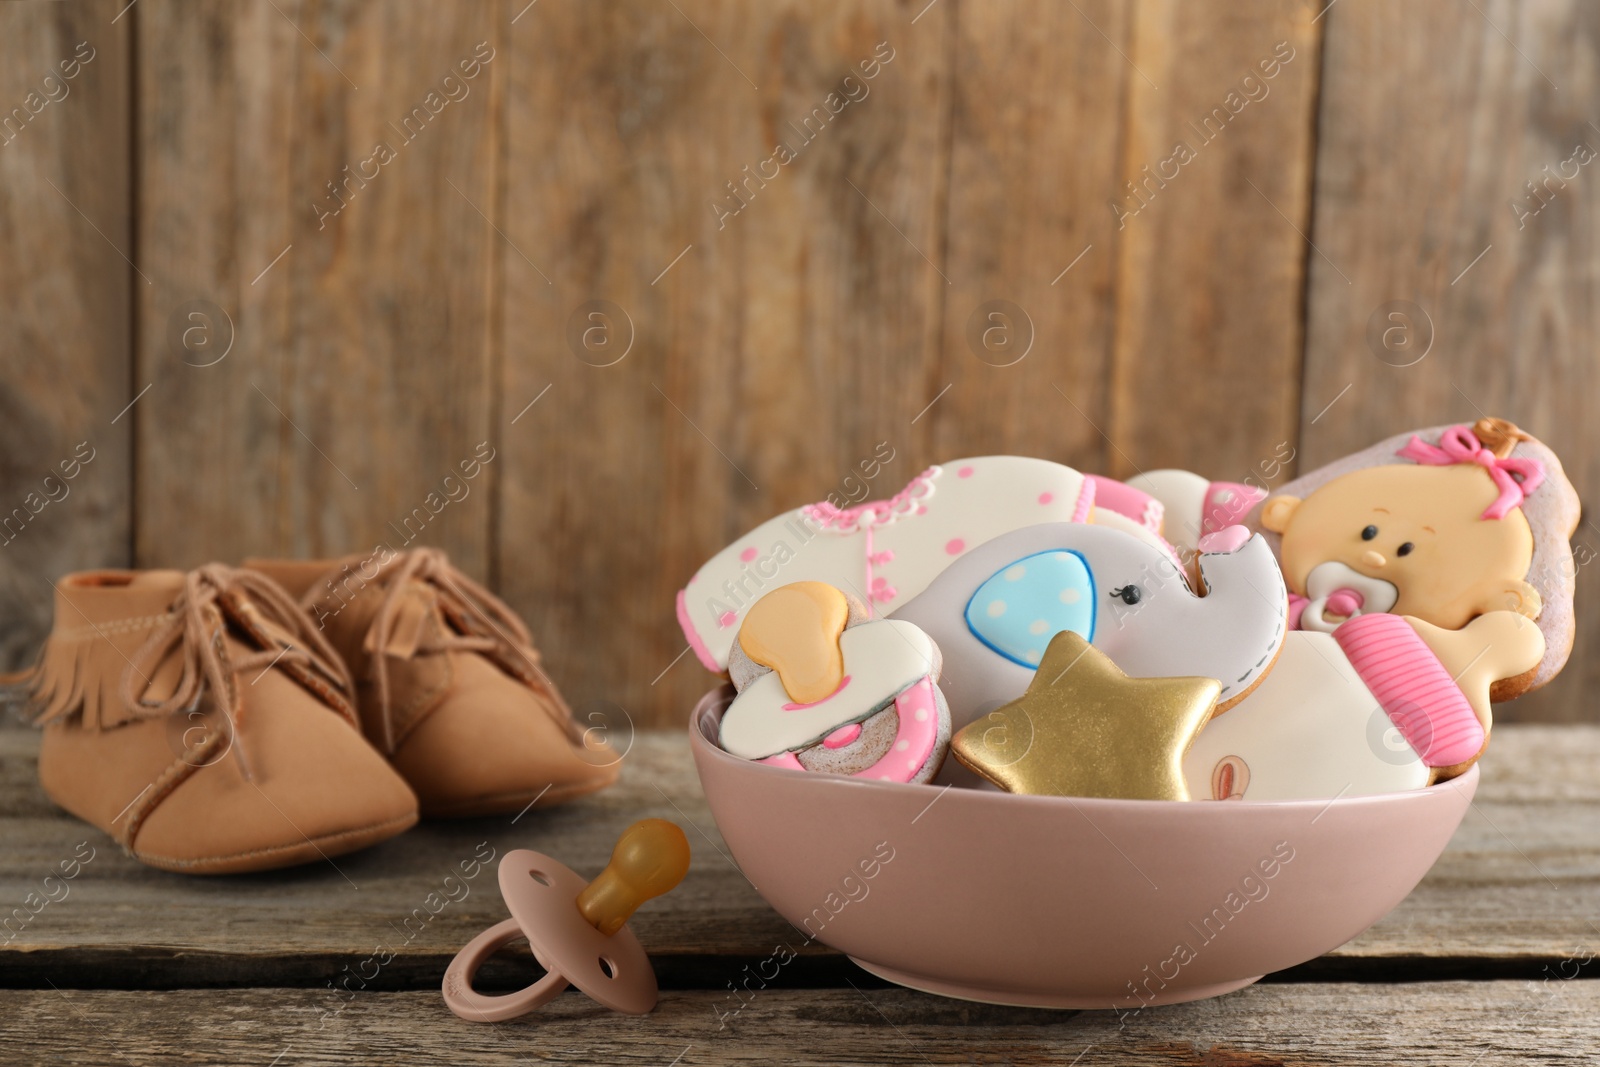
[1328, 578]
[882, 659]
[1231, 634]
[1002, 493]
[1133, 527]
[1311, 730]
[1183, 500]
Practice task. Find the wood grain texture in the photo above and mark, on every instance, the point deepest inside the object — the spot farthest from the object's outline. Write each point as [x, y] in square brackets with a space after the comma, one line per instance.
[65, 225]
[758, 354]
[1447, 1024]
[1032, 154]
[358, 377]
[1211, 252]
[1516, 890]
[1435, 117]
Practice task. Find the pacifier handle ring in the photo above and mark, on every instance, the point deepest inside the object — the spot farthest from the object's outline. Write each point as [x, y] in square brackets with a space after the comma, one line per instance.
[476, 1007]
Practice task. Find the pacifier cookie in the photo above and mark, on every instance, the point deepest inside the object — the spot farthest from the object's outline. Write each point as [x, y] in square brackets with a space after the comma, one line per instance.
[824, 688]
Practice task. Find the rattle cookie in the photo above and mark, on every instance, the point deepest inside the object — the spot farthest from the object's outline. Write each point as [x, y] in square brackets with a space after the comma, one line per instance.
[824, 688]
[577, 932]
[994, 611]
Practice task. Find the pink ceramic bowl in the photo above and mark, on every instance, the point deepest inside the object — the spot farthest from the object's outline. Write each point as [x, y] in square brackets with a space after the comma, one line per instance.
[1062, 902]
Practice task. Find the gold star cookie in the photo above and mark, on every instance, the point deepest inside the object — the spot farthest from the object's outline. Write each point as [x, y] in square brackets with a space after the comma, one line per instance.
[1085, 729]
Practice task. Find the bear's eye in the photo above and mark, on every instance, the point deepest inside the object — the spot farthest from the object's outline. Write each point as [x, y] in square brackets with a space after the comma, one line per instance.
[1369, 533]
[1405, 549]
[1128, 594]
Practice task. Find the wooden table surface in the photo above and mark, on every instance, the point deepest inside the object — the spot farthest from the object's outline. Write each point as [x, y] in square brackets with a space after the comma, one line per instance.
[1486, 962]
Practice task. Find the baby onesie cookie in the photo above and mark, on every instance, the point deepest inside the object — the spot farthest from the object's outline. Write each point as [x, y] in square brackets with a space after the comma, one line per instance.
[994, 612]
[884, 551]
[822, 688]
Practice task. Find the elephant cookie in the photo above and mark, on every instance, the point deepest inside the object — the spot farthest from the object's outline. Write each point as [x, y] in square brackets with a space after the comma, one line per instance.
[824, 688]
[994, 611]
[1382, 704]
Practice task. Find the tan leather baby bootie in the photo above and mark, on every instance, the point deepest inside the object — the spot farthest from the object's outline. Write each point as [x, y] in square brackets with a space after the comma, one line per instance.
[202, 721]
[449, 684]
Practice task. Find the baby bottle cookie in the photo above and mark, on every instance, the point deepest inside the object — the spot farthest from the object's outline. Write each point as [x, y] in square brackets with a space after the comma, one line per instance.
[824, 688]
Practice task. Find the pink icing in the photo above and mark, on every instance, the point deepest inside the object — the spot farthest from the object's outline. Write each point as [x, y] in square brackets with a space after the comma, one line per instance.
[1080, 510]
[1515, 476]
[701, 652]
[964, 472]
[918, 711]
[1231, 539]
[1413, 687]
[1345, 602]
[955, 546]
[844, 735]
[878, 589]
[727, 619]
[1045, 498]
[825, 513]
[748, 554]
[799, 707]
[1227, 503]
[1127, 501]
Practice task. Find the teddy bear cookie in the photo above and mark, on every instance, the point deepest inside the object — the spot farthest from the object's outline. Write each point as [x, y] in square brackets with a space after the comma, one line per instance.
[823, 687]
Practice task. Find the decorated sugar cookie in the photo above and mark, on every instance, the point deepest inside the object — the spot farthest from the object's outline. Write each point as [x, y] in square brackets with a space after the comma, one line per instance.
[1382, 704]
[1444, 525]
[994, 612]
[1185, 508]
[883, 552]
[1083, 728]
[824, 688]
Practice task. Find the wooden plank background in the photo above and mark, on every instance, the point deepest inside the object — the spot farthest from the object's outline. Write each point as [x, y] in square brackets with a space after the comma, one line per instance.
[320, 350]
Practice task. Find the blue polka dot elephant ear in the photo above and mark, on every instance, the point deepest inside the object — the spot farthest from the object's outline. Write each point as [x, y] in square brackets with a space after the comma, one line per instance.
[1027, 602]
[993, 612]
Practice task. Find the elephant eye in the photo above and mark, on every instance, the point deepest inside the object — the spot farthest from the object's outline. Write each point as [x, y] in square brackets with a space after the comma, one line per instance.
[1128, 594]
[1369, 533]
[1405, 549]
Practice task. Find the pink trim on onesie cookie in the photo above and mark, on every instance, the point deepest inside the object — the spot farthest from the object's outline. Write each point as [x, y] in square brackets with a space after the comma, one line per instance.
[701, 652]
[1080, 510]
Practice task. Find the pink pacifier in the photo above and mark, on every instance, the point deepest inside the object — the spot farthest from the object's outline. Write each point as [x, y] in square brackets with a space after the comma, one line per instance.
[576, 930]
